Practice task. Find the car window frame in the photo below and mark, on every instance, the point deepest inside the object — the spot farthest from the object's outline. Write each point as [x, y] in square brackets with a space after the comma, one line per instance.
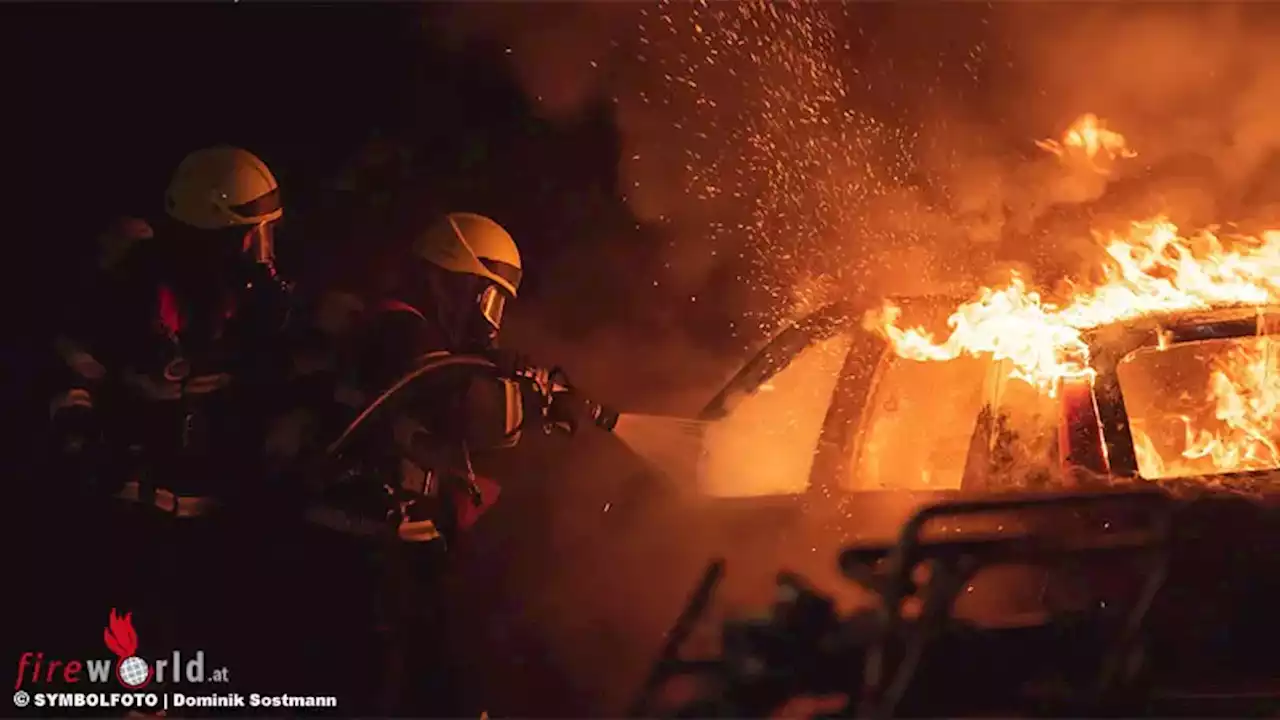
[845, 413]
[1111, 344]
[777, 355]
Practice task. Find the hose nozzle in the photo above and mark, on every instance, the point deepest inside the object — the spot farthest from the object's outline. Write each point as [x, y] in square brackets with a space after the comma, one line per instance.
[602, 416]
[605, 418]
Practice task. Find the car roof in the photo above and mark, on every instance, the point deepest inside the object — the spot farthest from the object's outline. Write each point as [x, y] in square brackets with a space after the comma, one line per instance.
[1184, 326]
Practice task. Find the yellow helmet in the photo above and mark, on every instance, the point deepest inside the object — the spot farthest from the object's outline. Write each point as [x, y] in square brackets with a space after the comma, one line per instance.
[475, 245]
[223, 187]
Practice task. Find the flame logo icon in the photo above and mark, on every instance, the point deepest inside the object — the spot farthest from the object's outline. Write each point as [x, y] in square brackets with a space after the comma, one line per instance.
[132, 671]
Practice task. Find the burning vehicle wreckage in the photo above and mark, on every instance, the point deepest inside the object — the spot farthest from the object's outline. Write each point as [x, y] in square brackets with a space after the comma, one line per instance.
[1117, 452]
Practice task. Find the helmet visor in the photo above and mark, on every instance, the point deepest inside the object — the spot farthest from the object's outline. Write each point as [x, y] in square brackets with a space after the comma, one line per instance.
[258, 207]
[493, 302]
[260, 242]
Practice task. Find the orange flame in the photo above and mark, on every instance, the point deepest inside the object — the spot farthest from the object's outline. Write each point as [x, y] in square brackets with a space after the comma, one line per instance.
[1244, 433]
[1153, 269]
[1150, 269]
[1251, 417]
[1089, 141]
[120, 636]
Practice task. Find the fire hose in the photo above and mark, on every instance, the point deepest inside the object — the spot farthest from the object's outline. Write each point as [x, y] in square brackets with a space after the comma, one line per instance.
[558, 414]
[602, 416]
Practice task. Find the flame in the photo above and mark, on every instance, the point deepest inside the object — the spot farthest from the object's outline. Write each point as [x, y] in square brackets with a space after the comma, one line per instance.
[1150, 268]
[1089, 141]
[1244, 394]
[120, 636]
[1247, 394]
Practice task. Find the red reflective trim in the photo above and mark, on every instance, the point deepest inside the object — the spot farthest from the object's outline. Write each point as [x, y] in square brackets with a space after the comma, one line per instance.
[467, 512]
[167, 308]
[392, 305]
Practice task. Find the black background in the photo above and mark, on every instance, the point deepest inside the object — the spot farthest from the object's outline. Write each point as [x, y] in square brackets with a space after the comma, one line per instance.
[103, 100]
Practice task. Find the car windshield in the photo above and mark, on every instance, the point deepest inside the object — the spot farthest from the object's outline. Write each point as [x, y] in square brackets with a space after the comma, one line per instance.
[1204, 408]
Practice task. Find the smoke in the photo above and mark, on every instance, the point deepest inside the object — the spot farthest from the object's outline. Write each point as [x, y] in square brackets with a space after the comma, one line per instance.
[737, 138]
[788, 154]
[788, 149]
[1189, 86]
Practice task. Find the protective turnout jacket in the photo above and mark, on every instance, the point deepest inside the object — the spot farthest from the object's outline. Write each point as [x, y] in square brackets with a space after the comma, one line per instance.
[384, 465]
[172, 381]
[442, 407]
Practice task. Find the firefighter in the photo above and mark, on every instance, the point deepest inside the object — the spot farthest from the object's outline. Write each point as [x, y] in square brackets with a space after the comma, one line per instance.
[426, 386]
[170, 369]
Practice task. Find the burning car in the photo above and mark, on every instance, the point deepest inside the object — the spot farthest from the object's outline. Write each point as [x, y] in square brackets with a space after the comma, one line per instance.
[1171, 402]
[1154, 386]
[1150, 399]
[1007, 474]
[1159, 370]
[1155, 365]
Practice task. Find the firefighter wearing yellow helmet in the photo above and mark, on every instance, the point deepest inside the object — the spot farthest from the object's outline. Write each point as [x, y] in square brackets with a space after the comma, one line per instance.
[175, 292]
[168, 369]
[226, 190]
[472, 245]
[427, 386]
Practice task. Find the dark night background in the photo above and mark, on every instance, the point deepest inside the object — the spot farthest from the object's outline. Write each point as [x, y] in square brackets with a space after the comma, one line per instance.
[109, 97]
[117, 93]
[370, 125]
[372, 116]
